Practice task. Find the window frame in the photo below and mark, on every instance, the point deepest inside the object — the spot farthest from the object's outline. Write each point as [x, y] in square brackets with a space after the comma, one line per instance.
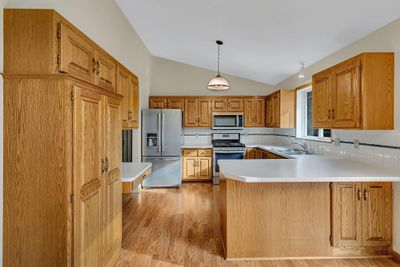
[301, 116]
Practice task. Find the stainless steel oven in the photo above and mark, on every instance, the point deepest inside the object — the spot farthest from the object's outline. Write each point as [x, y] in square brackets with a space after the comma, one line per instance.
[227, 121]
[225, 154]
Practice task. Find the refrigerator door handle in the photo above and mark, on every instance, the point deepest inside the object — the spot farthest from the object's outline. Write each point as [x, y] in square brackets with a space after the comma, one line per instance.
[162, 131]
[159, 132]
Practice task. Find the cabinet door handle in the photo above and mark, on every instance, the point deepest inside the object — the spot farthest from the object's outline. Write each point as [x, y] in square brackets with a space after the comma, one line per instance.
[102, 166]
[333, 113]
[359, 194]
[329, 114]
[98, 67]
[107, 164]
[94, 65]
[365, 194]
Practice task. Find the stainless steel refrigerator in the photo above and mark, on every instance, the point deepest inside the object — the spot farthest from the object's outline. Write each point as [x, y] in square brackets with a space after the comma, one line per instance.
[161, 145]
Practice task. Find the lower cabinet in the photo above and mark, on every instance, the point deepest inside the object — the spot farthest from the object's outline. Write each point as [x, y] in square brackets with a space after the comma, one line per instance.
[361, 215]
[197, 165]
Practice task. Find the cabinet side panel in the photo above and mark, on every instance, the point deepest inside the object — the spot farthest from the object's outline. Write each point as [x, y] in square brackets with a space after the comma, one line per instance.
[29, 41]
[37, 172]
[378, 91]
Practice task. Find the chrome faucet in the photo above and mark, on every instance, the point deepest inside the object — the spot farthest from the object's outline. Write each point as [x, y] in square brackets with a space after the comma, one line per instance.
[303, 145]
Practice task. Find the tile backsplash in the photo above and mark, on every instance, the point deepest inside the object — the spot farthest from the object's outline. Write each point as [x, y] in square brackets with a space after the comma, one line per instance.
[378, 148]
[199, 136]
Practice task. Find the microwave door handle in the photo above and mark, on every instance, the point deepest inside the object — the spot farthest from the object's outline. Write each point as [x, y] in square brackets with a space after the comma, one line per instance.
[162, 131]
[159, 132]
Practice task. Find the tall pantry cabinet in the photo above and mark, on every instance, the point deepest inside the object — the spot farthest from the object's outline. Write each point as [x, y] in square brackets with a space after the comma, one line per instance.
[62, 145]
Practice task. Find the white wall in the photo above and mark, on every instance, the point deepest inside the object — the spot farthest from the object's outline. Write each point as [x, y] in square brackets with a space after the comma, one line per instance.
[175, 78]
[384, 39]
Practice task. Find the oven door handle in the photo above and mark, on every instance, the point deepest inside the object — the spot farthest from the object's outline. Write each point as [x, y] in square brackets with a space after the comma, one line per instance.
[228, 152]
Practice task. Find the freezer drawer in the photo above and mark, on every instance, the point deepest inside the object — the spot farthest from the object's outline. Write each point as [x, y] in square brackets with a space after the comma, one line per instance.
[166, 172]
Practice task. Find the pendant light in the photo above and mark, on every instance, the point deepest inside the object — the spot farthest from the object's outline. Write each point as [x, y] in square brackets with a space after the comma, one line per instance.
[218, 83]
[301, 73]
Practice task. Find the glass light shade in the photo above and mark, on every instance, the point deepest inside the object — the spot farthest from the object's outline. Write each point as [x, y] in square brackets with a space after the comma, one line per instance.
[218, 84]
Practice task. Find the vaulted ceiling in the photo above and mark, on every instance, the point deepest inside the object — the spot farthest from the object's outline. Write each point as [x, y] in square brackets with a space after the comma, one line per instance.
[264, 40]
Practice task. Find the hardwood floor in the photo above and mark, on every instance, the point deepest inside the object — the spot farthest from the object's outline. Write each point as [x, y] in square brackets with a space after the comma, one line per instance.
[170, 227]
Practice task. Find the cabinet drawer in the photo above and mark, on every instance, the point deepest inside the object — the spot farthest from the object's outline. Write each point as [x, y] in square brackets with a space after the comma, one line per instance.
[204, 152]
[190, 152]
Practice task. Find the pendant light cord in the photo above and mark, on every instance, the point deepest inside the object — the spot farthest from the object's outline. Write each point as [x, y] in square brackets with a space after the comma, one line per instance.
[219, 54]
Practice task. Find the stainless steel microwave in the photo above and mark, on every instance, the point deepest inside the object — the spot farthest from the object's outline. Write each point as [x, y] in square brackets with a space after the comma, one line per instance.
[227, 121]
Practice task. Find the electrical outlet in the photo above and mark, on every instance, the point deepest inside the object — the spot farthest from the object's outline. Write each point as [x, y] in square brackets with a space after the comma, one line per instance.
[356, 143]
[336, 141]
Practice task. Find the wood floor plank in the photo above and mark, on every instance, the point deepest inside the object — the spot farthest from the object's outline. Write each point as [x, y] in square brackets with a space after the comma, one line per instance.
[180, 227]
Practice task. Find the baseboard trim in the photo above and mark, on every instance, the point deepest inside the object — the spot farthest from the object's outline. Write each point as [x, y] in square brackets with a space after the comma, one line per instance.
[310, 258]
[396, 256]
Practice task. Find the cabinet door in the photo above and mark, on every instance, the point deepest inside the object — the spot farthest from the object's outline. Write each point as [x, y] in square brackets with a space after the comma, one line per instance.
[258, 153]
[269, 121]
[124, 88]
[264, 155]
[176, 103]
[191, 113]
[76, 55]
[276, 117]
[346, 215]
[189, 168]
[112, 187]
[106, 70]
[259, 112]
[219, 104]
[158, 103]
[134, 111]
[204, 165]
[88, 158]
[235, 105]
[204, 113]
[321, 101]
[250, 153]
[346, 93]
[377, 214]
[249, 113]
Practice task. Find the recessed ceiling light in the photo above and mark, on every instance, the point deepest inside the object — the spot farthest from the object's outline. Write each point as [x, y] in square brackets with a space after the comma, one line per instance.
[301, 73]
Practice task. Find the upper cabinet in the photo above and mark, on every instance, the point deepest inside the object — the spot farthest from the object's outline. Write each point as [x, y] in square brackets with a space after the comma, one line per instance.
[128, 87]
[76, 55]
[105, 71]
[157, 102]
[197, 113]
[223, 104]
[254, 112]
[166, 102]
[280, 110]
[54, 46]
[355, 94]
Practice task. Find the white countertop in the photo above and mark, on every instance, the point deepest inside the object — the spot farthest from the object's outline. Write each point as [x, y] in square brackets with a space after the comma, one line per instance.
[133, 170]
[305, 169]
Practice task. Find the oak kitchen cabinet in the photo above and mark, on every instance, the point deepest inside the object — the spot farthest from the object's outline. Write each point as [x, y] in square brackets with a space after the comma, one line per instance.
[254, 112]
[356, 94]
[197, 113]
[61, 88]
[128, 87]
[167, 102]
[362, 215]
[280, 109]
[197, 164]
[228, 104]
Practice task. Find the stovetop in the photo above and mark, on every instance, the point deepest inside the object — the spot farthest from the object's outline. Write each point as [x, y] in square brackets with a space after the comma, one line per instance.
[216, 143]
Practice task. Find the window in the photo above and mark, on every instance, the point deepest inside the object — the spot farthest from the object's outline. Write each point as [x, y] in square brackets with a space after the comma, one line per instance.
[304, 127]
